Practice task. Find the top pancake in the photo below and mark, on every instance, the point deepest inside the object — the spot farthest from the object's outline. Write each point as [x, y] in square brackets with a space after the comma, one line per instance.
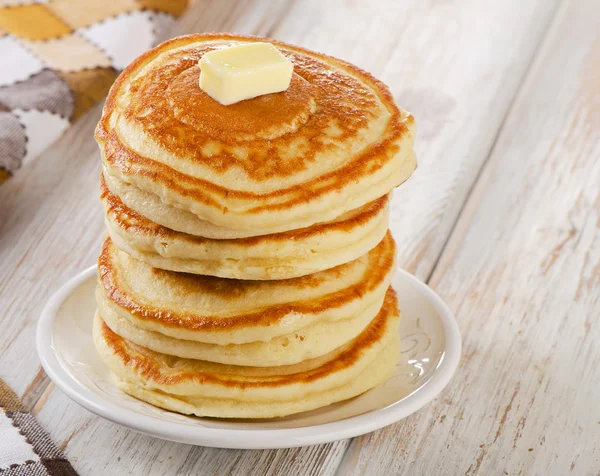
[332, 142]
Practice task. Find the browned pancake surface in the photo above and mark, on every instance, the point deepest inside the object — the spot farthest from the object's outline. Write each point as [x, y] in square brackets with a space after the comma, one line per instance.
[373, 272]
[166, 370]
[255, 136]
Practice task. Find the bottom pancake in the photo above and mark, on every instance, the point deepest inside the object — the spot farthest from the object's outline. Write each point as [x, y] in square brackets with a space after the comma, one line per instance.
[216, 390]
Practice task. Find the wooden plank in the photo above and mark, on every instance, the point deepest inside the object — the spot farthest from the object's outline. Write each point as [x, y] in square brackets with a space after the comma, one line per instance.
[456, 66]
[434, 55]
[522, 271]
[96, 446]
[50, 229]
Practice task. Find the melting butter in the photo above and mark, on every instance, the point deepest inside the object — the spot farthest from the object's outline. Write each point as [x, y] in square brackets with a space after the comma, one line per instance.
[245, 71]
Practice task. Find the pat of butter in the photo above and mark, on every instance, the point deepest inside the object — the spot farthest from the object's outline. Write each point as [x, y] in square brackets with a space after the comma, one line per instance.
[242, 72]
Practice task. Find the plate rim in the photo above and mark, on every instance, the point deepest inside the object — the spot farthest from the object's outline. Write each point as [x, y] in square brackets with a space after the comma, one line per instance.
[242, 438]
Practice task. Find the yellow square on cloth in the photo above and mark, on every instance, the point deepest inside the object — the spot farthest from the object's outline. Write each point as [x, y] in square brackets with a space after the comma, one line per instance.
[174, 7]
[32, 22]
[68, 53]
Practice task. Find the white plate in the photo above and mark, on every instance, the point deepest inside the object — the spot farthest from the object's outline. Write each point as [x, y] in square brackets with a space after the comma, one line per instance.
[430, 353]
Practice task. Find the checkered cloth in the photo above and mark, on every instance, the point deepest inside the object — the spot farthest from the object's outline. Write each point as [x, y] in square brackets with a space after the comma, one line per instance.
[59, 57]
[26, 449]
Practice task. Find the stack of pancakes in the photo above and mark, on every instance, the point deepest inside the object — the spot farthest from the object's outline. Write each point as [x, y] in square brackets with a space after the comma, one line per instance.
[248, 265]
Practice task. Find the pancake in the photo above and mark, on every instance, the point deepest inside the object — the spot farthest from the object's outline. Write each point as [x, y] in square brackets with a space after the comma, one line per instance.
[154, 209]
[312, 341]
[331, 143]
[223, 311]
[279, 256]
[208, 389]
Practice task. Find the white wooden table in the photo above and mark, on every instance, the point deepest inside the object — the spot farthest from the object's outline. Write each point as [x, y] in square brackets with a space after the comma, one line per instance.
[502, 219]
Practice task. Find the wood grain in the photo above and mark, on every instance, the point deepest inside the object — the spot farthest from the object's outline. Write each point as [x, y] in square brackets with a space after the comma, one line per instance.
[456, 66]
[50, 229]
[522, 271]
